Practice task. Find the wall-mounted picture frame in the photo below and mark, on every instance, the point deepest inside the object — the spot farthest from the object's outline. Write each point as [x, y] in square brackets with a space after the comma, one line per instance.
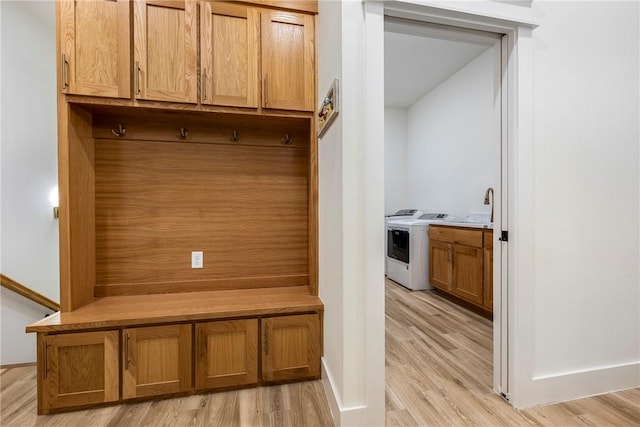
[329, 109]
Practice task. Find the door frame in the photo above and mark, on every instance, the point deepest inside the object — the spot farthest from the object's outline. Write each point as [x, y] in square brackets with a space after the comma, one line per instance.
[515, 282]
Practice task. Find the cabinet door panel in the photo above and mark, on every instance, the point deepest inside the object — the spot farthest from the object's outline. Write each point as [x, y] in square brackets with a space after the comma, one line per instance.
[157, 360]
[488, 279]
[95, 48]
[288, 61]
[229, 53]
[291, 347]
[467, 273]
[79, 369]
[227, 353]
[165, 49]
[440, 264]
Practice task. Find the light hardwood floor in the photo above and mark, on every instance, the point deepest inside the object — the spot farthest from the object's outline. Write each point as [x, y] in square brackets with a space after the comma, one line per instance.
[438, 373]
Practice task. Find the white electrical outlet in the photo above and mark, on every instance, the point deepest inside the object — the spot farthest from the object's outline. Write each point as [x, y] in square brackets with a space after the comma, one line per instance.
[197, 259]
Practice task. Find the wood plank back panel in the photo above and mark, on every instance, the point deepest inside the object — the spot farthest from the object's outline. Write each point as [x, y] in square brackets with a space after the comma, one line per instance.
[244, 207]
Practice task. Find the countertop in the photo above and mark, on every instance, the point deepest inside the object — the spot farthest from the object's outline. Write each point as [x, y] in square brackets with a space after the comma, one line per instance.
[482, 225]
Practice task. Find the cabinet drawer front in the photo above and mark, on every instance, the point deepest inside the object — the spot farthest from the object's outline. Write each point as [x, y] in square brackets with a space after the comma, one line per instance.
[456, 235]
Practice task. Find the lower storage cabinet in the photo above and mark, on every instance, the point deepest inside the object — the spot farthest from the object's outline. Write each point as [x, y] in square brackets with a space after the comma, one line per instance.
[156, 360]
[291, 347]
[77, 369]
[227, 353]
[80, 369]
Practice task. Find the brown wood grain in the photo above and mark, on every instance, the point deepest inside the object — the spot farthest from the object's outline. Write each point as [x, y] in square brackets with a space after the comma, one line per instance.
[76, 177]
[226, 353]
[166, 50]
[288, 60]
[291, 347]
[456, 235]
[244, 207]
[440, 274]
[468, 273]
[95, 42]
[79, 369]
[229, 52]
[156, 360]
[120, 311]
[310, 6]
[488, 270]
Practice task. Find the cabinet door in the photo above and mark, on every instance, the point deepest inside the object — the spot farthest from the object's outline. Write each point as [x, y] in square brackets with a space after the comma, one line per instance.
[78, 369]
[288, 60]
[229, 54]
[467, 273]
[488, 278]
[291, 347]
[165, 50]
[95, 47]
[227, 353]
[440, 254]
[156, 360]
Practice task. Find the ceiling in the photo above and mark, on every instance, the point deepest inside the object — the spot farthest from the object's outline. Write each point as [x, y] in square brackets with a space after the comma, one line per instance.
[415, 64]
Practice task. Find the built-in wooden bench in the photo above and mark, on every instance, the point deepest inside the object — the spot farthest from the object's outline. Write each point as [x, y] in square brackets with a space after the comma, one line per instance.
[120, 348]
[136, 310]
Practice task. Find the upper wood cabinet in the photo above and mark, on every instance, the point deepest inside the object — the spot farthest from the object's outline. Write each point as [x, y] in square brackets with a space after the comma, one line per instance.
[229, 52]
[95, 48]
[165, 50]
[156, 360]
[288, 60]
[78, 369]
[291, 347]
[227, 353]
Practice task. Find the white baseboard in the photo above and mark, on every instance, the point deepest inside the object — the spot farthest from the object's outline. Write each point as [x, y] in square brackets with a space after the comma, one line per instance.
[546, 389]
[342, 416]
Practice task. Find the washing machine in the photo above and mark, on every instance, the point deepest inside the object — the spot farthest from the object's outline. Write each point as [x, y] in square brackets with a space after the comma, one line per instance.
[407, 259]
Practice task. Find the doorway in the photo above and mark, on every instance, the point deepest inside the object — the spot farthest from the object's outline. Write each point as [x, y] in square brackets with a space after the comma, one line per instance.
[435, 76]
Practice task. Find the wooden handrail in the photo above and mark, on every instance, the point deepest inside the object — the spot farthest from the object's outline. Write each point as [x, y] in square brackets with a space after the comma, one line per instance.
[16, 287]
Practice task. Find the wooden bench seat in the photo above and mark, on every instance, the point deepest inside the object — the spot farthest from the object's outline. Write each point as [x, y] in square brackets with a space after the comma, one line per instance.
[135, 310]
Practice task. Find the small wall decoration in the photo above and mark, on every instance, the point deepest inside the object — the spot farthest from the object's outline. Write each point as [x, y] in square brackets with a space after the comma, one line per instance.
[328, 109]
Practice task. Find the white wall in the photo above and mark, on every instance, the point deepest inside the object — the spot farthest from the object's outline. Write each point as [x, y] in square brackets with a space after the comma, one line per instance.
[586, 163]
[29, 168]
[395, 161]
[351, 199]
[453, 140]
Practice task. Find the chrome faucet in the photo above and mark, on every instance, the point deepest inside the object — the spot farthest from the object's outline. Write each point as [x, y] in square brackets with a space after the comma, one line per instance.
[486, 200]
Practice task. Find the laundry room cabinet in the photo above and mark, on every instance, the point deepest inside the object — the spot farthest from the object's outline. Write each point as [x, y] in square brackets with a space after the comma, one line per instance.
[460, 263]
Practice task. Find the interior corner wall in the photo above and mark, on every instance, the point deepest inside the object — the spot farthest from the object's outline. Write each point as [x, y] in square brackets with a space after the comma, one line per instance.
[29, 233]
[453, 141]
[395, 160]
[586, 200]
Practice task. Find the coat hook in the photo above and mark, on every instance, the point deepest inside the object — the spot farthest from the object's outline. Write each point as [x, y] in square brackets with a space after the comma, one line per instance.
[288, 139]
[183, 134]
[120, 132]
[234, 136]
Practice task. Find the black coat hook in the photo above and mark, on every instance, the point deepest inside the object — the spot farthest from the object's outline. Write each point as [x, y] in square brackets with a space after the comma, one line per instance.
[120, 132]
[234, 136]
[183, 134]
[288, 139]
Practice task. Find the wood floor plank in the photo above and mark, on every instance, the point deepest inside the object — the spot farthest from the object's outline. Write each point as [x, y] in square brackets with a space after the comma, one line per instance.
[438, 373]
